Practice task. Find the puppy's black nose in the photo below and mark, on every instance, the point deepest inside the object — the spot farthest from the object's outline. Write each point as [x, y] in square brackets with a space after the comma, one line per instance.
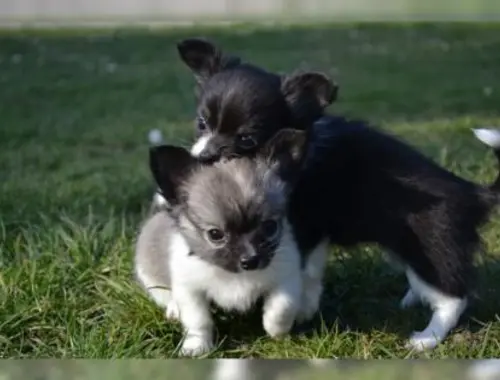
[249, 262]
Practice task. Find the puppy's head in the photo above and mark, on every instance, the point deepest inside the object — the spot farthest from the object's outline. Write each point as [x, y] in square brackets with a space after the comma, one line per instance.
[241, 106]
[232, 213]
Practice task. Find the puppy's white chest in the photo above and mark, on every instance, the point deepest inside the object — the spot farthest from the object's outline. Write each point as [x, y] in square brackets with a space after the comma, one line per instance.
[236, 291]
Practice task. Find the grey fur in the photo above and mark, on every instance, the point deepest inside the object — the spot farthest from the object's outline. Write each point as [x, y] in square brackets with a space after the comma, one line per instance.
[152, 251]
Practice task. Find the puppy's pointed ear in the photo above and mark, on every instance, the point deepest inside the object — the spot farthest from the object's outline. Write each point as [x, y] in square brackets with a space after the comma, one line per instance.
[285, 153]
[204, 58]
[308, 94]
[170, 166]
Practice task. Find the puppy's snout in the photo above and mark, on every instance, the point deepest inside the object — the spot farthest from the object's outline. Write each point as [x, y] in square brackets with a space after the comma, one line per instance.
[209, 154]
[250, 262]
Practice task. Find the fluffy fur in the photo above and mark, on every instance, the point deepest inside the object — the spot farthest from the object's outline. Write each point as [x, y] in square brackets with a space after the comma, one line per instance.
[184, 264]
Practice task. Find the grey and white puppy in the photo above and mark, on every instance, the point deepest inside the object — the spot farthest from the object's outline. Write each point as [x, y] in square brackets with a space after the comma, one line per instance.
[224, 238]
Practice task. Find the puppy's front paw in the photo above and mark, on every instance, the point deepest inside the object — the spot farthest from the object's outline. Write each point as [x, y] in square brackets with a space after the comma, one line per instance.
[172, 312]
[196, 345]
[277, 325]
[421, 341]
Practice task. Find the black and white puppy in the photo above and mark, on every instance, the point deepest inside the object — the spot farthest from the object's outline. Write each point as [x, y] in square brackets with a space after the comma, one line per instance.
[365, 186]
[240, 106]
[225, 238]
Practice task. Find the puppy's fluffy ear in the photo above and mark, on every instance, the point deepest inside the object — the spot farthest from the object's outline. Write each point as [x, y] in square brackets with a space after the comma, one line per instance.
[204, 58]
[286, 152]
[308, 94]
[170, 166]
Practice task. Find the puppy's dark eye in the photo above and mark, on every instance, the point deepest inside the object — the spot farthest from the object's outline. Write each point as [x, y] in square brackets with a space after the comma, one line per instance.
[201, 123]
[270, 228]
[246, 141]
[216, 235]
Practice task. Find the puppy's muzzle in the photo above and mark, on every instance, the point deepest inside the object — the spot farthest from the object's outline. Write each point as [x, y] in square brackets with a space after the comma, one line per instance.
[210, 154]
[250, 262]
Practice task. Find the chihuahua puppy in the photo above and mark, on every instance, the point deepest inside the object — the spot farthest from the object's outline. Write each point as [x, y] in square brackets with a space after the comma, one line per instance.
[224, 238]
[362, 185]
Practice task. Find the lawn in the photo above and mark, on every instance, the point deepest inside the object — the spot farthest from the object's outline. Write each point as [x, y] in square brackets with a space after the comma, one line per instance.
[75, 110]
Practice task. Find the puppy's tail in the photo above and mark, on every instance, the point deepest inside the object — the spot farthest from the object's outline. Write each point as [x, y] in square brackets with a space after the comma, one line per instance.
[491, 137]
[155, 137]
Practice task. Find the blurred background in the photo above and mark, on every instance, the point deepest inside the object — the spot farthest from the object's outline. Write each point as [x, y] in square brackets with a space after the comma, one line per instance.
[106, 12]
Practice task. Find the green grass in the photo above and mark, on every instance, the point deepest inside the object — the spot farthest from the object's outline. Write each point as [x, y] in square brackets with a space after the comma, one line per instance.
[74, 184]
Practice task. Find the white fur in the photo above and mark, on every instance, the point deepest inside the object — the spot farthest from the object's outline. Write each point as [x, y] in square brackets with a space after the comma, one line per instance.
[159, 200]
[485, 370]
[489, 136]
[161, 295]
[313, 282]
[446, 312]
[200, 145]
[196, 282]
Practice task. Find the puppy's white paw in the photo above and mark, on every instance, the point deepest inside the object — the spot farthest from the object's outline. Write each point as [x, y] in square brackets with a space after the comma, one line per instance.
[172, 312]
[277, 325]
[421, 341]
[409, 300]
[196, 345]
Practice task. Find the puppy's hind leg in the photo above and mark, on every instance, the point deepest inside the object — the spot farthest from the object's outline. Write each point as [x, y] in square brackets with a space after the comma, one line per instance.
[446, 313]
